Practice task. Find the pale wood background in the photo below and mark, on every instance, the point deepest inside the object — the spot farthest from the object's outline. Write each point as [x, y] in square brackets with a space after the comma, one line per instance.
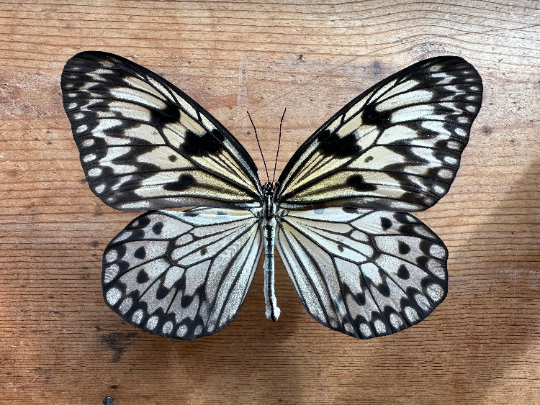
[60, 344]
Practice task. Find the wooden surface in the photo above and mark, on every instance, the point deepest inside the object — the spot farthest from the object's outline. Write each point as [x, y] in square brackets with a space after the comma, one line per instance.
[60, 344]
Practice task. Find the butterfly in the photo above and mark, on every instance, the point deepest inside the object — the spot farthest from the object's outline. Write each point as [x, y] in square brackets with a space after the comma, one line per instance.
[338, 215]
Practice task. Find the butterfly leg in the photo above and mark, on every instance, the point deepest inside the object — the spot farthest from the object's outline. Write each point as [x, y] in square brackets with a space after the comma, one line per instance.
[269, 231]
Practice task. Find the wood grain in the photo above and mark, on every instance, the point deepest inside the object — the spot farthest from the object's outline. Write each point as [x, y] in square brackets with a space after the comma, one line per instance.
[60, 344]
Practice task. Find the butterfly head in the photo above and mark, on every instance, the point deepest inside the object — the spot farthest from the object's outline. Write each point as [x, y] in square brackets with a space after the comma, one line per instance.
[268, 188]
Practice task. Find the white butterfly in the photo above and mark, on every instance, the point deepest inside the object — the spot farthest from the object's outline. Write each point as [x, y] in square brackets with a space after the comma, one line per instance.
[359, 263]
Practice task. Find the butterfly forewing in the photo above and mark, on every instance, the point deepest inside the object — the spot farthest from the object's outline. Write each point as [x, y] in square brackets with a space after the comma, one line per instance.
[397, 146]
[145, 145]
[362, 272]
[182, 274]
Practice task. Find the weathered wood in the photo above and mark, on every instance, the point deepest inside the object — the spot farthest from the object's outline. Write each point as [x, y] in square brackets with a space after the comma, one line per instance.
[60, 344]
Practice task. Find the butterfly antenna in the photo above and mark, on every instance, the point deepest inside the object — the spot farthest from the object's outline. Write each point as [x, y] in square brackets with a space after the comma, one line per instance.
[278, 144]
[259, 144]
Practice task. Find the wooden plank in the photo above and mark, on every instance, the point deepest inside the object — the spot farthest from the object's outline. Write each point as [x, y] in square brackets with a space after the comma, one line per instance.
[60, 344]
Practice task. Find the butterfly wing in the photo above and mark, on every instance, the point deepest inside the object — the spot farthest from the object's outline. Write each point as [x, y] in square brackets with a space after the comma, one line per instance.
[146, 145]
[182, 274]
[395, 147]
[365, 273]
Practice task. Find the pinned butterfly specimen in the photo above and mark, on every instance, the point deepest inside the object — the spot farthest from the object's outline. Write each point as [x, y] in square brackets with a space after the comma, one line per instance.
[361, 264]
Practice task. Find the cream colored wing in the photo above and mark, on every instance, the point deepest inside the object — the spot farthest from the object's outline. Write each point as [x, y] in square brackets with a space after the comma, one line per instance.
[395, 147]
[146, 145]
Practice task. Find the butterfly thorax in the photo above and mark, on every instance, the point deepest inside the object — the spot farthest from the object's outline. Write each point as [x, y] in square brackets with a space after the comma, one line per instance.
[269, 208]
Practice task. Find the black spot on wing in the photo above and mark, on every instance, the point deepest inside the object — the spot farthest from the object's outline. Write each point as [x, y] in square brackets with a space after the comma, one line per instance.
[407, 230]
[202, 145]
[403, 273]
[136, 234]
[157, 228]
[142, 277]
[339, 146]
[140, 253]
[357, 182]
[184, 182]
[404, 218]
[422, 261]
[164, 116]
[162, 292]
[361, 298]
[425, 247]
[187, 300]
[384, 289]
[370, 116]
[385, 223]
[403, 248]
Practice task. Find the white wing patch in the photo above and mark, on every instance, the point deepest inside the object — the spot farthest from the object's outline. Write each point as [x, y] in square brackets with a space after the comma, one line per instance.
[182, 274]
[364, 273]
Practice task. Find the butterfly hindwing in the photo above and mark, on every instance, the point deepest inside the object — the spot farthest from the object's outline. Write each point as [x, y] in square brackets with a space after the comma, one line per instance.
[397, 146]
[145, 145]
[182, 274]
[362, 272]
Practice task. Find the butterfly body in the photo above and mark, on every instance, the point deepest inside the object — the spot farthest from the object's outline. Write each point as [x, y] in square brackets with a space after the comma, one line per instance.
[268, 224]
[338, 214]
